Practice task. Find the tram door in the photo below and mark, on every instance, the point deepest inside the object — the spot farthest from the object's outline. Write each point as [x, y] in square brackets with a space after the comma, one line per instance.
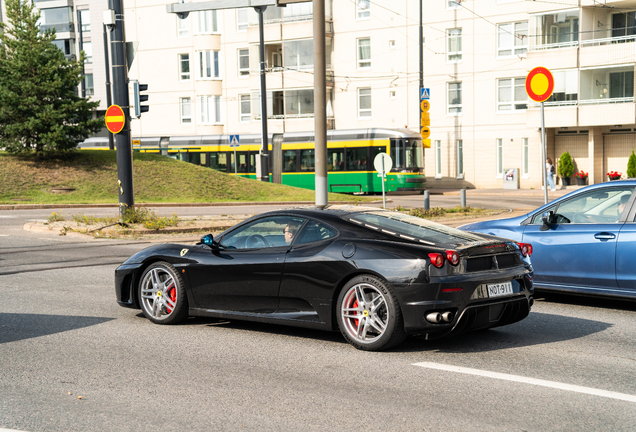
[277, 158]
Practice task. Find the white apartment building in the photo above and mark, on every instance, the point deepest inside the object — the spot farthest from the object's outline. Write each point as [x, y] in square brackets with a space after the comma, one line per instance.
[203, 76]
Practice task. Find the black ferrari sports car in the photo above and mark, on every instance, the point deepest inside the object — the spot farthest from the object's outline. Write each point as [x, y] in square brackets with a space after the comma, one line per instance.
[375, 275]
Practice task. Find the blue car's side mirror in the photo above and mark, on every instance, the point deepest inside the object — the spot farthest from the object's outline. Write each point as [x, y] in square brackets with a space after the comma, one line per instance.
[547, 219]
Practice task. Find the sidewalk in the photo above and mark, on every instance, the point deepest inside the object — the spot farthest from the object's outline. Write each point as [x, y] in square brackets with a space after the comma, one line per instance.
[507, 192]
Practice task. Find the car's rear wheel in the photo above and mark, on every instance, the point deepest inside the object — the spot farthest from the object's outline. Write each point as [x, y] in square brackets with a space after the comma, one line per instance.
[369, 315]
[162, 295]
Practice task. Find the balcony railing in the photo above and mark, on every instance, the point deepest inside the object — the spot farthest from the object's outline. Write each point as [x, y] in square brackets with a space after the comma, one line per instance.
[59, 28]
[607, 101]
[610, 40]
[553, 46]
[558, 103]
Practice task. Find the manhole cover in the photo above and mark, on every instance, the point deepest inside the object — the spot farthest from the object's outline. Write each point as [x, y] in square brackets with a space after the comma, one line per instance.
[62, 190]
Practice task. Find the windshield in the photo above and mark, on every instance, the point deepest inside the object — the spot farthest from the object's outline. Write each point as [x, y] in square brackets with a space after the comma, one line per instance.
[407, 154]
[413, 228]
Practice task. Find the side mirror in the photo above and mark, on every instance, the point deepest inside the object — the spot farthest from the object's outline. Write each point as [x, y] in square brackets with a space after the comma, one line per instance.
[547, 219]
[208, 239]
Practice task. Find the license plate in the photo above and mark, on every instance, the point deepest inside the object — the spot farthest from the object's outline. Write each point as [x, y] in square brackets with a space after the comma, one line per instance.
[500, 289]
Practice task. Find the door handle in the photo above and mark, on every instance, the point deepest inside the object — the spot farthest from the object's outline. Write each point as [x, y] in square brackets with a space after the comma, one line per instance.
[604, 236]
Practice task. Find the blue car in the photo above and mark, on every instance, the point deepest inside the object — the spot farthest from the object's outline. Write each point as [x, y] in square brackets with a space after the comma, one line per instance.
[583, 243]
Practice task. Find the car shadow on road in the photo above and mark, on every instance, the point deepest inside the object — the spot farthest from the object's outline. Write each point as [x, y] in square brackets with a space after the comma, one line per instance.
[596, 302]
[16, 327]
[537, 329]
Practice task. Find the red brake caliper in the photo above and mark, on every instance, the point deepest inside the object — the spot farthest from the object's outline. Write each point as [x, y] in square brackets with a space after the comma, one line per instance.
[172, 293]
[355, 305]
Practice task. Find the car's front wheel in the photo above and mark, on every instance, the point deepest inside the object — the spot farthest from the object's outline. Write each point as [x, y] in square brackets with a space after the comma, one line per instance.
[369, 315]
[162, 295]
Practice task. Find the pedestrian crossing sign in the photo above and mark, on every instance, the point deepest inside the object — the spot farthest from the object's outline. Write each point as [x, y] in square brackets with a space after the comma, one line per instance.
[234, 141]
[425, 93]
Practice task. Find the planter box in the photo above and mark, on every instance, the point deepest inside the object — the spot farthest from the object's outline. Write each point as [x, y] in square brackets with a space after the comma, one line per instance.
[581, 181]
[565, 181]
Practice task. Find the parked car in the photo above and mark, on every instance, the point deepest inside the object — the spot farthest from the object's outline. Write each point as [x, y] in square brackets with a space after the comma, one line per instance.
[584, 242]
[375, 275]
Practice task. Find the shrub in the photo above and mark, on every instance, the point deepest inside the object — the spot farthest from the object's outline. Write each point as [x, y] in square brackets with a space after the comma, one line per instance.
[566, 166]
[631, 165]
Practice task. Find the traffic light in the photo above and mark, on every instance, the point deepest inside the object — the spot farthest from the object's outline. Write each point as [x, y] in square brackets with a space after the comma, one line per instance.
[139, 98]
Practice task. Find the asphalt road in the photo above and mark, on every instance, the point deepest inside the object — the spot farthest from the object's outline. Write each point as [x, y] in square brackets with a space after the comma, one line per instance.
[568, 366]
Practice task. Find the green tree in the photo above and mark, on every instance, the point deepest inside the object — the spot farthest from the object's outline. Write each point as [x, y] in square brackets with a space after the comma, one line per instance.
[39, 107]
[566, 166]
[631, 165]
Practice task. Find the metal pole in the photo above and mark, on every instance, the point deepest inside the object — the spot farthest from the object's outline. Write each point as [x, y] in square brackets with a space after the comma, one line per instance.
[544, 150]
[109, 98]
[421, 47]
[81, 47]
[383, 194]
[265, 144]
[462, 198]
[427, 200]
[235, 162]
[320, 104]
[120, 97]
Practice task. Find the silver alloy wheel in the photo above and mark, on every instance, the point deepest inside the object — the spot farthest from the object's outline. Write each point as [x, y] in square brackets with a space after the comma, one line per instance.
[364, 313]
[159, 293]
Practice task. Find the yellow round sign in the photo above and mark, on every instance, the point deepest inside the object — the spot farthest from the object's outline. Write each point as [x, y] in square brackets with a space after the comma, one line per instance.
[425, 132]
[425, 105]
[539, 84]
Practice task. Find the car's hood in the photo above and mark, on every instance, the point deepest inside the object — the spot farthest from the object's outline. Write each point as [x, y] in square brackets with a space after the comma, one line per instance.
[489, 224]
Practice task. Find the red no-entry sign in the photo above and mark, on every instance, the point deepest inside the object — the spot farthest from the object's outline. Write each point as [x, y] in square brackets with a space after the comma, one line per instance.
[539, 84]
[115, 119]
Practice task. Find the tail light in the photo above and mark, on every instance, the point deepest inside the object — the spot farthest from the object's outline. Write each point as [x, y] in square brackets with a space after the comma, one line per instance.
[452, 257]
[526, 249]
[437, 259]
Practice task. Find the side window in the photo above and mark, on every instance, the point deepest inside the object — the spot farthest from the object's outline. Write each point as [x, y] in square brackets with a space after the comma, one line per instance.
[538, 218]
[313, 232]
[264, 233]
[595, 206]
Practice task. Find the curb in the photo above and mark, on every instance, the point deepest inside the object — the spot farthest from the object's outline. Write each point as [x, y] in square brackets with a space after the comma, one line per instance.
[215, 204]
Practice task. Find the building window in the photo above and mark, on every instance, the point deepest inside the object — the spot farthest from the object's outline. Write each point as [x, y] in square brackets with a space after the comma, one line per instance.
[392, 94]
[87, 47]
[364, 103]
[241, 19]
[183, 28]
[363, 9]
[566, 87]
[499, 157]
[299, 103]
[245, 108]
[244, 62]
[205, 22]
[186, 110]
[511, 94]
[512, 39]
[391, 44]
[184, 67]
[60, 19]
[85, 16]
[454, 45]
[299, 54]
[208, 64]
[209, 109]
[364, 53]
[558, 29]
[454, 98]
[438, 159]
[297, 11]
[89, 87]
[621, 84]
[624, 24]
[67, 46]
[453, 4]
[526, 157]
[460, 159]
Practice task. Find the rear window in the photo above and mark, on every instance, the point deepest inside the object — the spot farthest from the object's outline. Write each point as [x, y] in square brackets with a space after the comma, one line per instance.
[412, 228]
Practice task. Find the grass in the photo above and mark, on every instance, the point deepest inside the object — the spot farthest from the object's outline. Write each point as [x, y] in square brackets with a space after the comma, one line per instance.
[157, 179]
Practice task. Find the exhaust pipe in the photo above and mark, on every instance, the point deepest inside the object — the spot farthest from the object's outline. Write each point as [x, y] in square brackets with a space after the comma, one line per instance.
[448, 316]
[434, 317]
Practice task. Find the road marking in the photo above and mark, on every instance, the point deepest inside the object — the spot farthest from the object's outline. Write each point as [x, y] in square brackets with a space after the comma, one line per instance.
[4, 235]
[526, 380]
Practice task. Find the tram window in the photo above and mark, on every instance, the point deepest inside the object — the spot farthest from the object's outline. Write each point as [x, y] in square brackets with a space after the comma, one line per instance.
[406, 154]
[376, 151]
[335, 159]
[203, 157]
[397, 153]
[307, 160]
[414, 156]
[195, 158]
[242, 162]
[357, 159]
[218, 161]
[253, 162]
[289, 161]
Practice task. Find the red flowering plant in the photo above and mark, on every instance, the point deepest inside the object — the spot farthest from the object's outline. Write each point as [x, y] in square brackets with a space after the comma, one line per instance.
[614, 175]
[581, 175]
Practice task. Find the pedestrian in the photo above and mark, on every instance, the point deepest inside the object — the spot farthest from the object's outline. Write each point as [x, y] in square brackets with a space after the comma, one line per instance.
[549, 168]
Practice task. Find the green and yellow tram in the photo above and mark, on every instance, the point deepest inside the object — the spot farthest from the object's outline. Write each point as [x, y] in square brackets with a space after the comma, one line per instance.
[350, 155]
